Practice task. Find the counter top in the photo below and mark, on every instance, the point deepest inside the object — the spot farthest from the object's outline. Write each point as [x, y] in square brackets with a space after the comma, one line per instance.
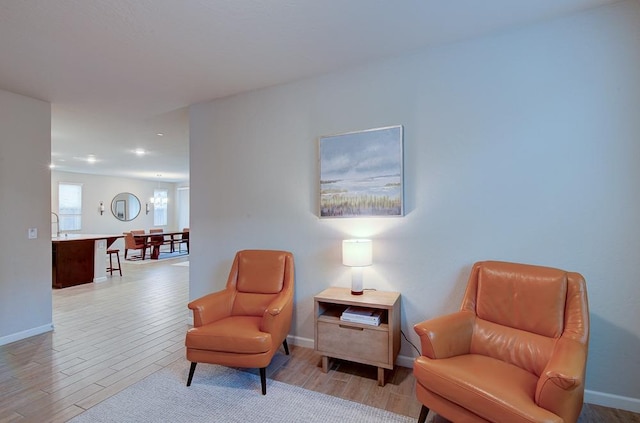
[78, 237]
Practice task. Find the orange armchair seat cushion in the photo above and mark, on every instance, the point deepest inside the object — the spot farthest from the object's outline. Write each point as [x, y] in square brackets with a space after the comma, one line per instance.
[490, 388]
[236, 334]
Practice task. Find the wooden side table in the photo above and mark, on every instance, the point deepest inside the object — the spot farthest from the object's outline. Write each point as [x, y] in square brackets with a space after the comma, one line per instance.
[373, 345]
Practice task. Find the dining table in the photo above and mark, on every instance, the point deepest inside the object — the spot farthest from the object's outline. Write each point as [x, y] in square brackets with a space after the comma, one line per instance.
[155, 250]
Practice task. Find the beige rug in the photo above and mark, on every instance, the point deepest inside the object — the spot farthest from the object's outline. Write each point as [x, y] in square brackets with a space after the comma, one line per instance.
[222, 394]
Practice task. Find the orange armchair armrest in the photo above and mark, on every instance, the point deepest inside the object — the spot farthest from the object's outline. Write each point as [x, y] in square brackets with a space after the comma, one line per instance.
[446, 336]
[274, 319]
[211, 307]
[565, 369]
[563, 377]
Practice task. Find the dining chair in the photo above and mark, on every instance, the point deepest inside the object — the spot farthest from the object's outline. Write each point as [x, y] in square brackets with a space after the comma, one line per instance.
[160, 240]
[184, 239]
[134, 243]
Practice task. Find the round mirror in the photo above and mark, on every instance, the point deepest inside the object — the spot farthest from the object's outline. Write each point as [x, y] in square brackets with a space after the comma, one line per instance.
[125, 206]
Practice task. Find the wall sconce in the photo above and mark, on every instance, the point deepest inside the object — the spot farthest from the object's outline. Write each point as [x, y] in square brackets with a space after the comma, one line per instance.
[357, 253]
[101, 208]
[147, 208]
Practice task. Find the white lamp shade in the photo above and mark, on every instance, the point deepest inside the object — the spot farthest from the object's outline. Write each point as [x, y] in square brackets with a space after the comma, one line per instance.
[357, 252]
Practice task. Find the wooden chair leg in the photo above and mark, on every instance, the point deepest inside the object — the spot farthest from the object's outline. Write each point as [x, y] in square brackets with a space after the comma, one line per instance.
[423, 414]
[286, 346]
[119, 266]
[191, 370]
[263, 380]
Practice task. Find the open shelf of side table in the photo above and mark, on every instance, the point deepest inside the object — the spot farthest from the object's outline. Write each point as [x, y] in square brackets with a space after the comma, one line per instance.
[367, 344]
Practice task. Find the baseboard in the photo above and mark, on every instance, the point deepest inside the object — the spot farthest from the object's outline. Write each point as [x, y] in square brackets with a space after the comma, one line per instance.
[612, 400]
[405, 361]
[26, 334]
[299, 341]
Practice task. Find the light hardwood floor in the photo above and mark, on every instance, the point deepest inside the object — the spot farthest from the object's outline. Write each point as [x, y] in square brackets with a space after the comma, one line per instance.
[110, 335]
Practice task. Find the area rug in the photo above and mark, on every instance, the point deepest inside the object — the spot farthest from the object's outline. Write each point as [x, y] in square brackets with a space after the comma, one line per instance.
[163, 257]
[221, 394]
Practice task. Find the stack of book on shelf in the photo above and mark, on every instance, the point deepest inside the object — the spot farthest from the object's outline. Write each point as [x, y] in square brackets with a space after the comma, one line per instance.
[364, 315]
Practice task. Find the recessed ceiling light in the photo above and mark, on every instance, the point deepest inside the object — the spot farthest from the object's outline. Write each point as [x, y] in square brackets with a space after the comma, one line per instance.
[51, 166]
[160, 134]
[91, 158]
[140, 151]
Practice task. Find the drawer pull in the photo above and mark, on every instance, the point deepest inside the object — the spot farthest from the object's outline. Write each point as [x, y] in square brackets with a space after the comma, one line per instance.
[350, 327]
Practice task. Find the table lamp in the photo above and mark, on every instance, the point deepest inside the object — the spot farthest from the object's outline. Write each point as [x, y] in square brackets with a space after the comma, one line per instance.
[357, 253]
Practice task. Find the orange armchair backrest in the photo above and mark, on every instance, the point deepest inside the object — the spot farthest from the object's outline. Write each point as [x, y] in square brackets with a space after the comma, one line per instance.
[257, 277]
[522, 310]
[533, 301]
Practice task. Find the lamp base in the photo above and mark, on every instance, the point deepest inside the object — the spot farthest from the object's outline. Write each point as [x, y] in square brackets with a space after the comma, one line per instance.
[356, 281]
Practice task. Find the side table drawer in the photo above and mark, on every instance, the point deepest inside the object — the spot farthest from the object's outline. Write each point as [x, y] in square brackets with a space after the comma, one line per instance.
[346, 341]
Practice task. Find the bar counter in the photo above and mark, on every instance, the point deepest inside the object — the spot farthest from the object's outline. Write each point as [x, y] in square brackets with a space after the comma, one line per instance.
[79, 258]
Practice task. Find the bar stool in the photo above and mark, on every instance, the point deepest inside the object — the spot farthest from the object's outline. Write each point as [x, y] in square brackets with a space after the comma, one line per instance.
[110, 269]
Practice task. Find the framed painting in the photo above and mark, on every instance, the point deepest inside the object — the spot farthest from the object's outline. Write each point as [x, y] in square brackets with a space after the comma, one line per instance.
[361, 173]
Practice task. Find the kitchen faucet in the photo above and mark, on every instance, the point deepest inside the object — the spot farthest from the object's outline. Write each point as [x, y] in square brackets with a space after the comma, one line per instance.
[57, 222]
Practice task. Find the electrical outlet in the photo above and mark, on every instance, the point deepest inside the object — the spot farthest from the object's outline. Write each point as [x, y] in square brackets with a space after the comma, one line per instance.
[32, 233]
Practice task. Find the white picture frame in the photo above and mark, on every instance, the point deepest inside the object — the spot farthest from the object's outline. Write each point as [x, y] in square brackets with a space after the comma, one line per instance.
[361, 174]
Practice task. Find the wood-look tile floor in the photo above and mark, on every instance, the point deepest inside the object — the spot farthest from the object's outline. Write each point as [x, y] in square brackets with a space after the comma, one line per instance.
[110, 335]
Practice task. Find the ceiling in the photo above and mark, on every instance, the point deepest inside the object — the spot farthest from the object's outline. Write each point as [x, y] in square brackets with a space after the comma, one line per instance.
[120, 72]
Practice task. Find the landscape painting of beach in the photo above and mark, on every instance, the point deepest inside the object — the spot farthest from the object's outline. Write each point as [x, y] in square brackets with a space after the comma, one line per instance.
[361, 173]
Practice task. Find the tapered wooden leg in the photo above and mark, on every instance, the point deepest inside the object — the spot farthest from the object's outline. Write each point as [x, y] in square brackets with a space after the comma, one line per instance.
[191, 370]
[286, 347]
[325, 364]
[423, 414]
[380, 376]
[263, 380]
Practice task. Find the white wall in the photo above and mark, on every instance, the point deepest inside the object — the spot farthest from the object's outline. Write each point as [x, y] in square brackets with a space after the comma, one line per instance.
[96, 188]
[25, 264]
[521, 146]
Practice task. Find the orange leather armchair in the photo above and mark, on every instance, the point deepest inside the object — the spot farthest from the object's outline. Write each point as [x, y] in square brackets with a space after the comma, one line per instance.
[244, 325]
[515, 352]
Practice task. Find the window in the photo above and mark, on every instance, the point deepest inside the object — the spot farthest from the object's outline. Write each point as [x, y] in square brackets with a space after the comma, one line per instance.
[160, 207]
[182, 207]
[70, 206]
